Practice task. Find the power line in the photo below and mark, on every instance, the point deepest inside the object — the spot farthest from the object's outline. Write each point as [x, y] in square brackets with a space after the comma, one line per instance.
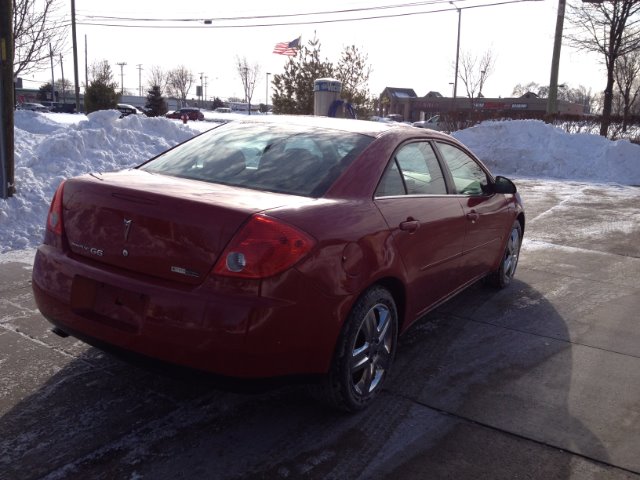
[309, 22]
[261, 17]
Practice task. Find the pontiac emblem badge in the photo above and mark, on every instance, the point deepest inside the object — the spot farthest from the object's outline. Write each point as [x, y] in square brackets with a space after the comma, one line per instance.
[127, 227]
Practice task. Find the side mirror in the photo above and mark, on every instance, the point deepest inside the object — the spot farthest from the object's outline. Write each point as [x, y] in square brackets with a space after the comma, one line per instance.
[504, 185]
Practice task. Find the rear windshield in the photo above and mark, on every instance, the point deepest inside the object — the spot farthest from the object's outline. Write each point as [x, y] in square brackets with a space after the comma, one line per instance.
[262, 156]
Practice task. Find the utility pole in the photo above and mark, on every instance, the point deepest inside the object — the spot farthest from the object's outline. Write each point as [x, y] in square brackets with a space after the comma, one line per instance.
[455, 80]
[75, 54]
[201, 87]
[205, 87]
[139, 79]
[552, 101]
[86, 67]
[64, 97]
[122, 64]
[7, 186]
[53, 90]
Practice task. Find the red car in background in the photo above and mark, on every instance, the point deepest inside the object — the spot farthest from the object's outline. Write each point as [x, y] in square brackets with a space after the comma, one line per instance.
[277, 246]
[191, 113]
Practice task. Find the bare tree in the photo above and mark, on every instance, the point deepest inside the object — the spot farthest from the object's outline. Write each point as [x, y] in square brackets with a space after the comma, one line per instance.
[37, 32]
[627, 75]
[101, 72]
[63, 87]
[249, 75]
[610, 28]
[179, 81]
[582, 96]
[157, 77]
[531, 87]
[579, 95]
[474, 72]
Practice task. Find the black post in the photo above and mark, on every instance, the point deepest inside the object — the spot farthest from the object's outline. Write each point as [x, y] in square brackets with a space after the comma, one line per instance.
[7, 187]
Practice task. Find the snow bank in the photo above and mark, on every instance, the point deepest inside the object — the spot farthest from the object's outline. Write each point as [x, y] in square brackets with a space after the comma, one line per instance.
[52, 147]
[535, 149]
[47, 152]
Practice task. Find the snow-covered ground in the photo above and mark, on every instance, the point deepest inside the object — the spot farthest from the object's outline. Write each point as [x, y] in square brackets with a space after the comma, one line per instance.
[52, 147]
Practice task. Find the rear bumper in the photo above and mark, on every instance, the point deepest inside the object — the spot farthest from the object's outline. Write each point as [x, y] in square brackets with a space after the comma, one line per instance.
[283, 326]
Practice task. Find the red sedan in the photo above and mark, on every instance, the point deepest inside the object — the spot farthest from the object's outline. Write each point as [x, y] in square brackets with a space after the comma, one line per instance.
[277, 246]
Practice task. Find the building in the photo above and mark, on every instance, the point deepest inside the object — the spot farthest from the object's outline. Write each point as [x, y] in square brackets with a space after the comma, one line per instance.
[405, 102]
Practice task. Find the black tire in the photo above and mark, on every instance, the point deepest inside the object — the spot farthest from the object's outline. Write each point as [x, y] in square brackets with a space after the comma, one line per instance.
[364, 352]
[503, 276]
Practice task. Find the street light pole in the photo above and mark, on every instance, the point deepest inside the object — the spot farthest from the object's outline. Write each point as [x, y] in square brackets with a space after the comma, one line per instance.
[266, 96]
[139, 79]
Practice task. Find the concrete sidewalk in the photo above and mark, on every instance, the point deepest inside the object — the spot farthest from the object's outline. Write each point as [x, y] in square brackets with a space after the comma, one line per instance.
[540, 380]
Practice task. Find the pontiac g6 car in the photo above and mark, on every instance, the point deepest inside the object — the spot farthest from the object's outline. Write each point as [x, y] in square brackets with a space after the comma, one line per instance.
[275, 247]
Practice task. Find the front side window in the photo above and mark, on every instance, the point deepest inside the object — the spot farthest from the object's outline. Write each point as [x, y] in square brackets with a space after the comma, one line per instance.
[263, 156]
[469, 178]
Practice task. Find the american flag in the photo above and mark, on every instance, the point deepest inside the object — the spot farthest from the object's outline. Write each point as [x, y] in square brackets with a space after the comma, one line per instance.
[287, 48]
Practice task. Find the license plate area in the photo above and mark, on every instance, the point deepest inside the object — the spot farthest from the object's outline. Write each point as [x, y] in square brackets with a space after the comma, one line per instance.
[107, 304]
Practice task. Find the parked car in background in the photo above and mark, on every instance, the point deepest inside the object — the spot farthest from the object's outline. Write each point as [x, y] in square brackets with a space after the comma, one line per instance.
[277, 246]
[34, 107]
[223, 110]
[126, 110]
[192, 113]
[433, 123]
[59, 107]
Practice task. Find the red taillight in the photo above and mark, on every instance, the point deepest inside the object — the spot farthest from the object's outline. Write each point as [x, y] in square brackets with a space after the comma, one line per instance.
[54, 219]
[262, 248]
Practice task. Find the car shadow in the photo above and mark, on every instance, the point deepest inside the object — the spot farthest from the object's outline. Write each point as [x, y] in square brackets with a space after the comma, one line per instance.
[501, 361]
[479, 390]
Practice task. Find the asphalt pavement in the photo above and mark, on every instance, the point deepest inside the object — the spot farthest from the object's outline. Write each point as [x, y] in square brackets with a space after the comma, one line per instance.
[537, 381]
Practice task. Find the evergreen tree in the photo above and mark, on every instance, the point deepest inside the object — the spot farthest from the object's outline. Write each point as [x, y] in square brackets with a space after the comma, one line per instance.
[156, 105]
[44, 92]
[100, 96]
[216, 103]
[293, 89]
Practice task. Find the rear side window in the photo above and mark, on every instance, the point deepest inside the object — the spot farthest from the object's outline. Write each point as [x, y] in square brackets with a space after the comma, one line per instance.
[280, 158]
[414, 171]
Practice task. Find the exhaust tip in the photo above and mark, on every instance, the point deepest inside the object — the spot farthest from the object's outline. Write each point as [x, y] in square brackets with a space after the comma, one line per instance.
[59, 332]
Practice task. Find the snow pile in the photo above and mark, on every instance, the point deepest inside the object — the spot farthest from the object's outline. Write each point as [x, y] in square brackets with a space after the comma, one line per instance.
[52, 147]
[47, 152]
[533, 148]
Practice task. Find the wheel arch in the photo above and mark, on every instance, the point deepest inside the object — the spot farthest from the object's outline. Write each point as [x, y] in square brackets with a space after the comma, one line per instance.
[520, 219]
[399, 293]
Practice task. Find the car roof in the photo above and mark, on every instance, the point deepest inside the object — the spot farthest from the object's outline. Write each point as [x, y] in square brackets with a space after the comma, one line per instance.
[363, 127]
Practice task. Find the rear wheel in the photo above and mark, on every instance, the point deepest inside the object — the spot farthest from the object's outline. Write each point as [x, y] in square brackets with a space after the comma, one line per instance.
[503, 276]
[364, 353]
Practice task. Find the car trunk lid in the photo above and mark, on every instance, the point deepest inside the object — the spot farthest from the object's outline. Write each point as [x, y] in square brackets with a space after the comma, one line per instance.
[166, 227]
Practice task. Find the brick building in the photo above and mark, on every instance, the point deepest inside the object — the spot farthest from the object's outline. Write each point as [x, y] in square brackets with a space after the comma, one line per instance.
[405, 102]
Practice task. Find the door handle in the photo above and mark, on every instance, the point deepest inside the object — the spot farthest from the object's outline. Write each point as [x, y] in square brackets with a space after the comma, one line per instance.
[409, 225]
[473, 217]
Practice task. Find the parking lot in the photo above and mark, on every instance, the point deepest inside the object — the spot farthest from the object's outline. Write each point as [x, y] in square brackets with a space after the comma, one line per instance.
[540, 380]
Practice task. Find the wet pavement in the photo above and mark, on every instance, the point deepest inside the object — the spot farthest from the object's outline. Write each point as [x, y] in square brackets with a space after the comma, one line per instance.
[540, 380]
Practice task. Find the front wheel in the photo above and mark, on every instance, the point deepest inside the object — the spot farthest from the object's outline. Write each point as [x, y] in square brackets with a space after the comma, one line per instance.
[503, 276]
[364, 352]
